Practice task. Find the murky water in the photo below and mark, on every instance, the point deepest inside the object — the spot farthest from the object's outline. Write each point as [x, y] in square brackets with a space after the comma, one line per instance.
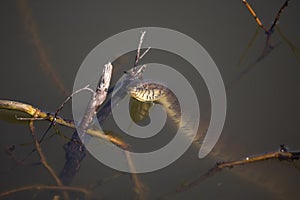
[262, 106]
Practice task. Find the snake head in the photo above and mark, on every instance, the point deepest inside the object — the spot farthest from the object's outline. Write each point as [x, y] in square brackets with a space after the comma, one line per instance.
[147, 91]
[135, 90]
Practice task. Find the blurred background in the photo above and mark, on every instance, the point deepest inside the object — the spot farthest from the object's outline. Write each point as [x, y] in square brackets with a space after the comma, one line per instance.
[43, 44]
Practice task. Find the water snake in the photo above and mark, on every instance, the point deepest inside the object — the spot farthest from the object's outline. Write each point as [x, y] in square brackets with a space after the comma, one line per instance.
[148, 91]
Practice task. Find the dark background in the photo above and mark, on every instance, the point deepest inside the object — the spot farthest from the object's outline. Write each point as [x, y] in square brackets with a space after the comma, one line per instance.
[263, 105]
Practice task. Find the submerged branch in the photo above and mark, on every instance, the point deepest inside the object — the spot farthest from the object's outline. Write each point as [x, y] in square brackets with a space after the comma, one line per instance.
[31, 110]
[282, 154]
[43, 157]
[98, 98]
[44, 187]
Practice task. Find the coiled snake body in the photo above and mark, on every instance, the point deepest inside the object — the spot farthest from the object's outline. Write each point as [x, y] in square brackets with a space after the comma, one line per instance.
[147, 91]
[150, 91]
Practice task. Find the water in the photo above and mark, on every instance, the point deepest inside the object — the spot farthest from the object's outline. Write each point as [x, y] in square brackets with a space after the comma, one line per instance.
[262, 106]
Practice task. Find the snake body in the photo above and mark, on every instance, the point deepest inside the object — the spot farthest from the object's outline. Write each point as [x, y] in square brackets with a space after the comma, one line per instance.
[149, 91]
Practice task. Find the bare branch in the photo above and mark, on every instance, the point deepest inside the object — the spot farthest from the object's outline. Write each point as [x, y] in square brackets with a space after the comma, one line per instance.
[97, 99]
[61, 107]
[137, 58]
[30, 110]
[145, 52]
[44, 187]
[43, 157]
[282, 154]
[278, 15]
[255, 16]
[271, 29]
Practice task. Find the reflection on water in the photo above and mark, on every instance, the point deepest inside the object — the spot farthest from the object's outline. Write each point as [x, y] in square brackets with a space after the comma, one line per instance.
[262, 106]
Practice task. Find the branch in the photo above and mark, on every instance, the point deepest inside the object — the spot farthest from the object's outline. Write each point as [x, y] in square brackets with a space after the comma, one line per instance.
[61, 107]
[97, 99]
[134, 74]
[282, 154]
[138, 51]
[255, 16]
[271, 29]
[267, 48]
[44, 187]
[43, 157]
[30, 110]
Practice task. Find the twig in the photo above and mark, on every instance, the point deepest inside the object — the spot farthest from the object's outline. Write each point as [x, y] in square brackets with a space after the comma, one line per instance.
[267, 48]
[30, 110]
[61, 107]
[282, 154]
[145, 52]
[271, 29]
[52, 123]
[44, 187]
[138, 51]
[254, 15]
[43, 157]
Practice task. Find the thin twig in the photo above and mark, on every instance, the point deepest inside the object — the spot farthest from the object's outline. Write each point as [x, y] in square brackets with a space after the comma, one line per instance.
[138, 51]
[43, 157]
[267, 48]
[138, 56]
[44, 187]
[282, 155]
[61, 107]
[145, 52]
[271, 29]
[254, 15]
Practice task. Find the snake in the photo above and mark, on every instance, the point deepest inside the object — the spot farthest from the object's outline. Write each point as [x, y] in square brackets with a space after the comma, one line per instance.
[148, 91]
